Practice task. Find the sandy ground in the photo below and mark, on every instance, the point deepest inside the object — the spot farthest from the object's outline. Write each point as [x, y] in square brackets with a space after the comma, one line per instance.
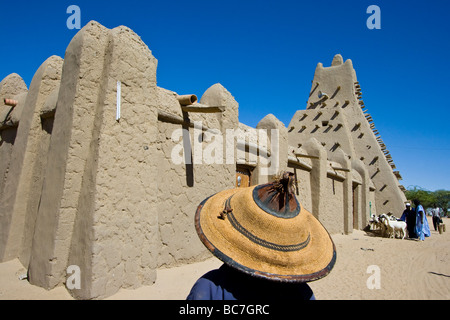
[407, 269]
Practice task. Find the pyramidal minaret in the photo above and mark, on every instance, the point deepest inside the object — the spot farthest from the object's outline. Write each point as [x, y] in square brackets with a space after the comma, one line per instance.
[338, 119]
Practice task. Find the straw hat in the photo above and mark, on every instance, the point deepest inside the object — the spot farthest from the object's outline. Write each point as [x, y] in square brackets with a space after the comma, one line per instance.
[265, 232]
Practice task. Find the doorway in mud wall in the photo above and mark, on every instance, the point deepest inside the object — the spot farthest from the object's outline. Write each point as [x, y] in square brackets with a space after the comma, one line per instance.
[243, 176]
[356, 204]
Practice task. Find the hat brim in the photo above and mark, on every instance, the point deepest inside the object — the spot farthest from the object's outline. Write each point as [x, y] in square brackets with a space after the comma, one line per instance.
[311, 261]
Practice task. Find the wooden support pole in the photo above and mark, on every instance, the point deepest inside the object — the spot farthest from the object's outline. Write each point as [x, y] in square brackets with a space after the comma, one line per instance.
[200, 108]
[11, 103]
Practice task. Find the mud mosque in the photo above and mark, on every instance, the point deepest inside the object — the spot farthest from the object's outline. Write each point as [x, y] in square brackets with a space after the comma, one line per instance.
[86, 170]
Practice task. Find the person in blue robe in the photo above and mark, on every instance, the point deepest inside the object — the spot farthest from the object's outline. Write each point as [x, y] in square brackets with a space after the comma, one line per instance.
[422, 226]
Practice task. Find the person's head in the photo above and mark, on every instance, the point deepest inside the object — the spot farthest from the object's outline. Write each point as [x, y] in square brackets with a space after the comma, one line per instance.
[408, 205]
[265, 232]
[416, 202]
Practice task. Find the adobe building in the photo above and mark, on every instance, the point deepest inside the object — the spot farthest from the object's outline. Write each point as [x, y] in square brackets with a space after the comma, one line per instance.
[339, 122]
[104, 170]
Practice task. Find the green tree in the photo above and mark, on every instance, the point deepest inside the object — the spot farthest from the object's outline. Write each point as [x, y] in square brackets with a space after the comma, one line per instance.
[426, 198]
[429, 199]
[442, 199]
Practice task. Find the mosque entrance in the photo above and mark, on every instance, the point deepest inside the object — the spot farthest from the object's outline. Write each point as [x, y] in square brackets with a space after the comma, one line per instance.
[355, 205]
[243, 176]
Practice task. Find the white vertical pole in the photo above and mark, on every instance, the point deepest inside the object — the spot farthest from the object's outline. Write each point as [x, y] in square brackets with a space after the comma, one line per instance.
[119, 95]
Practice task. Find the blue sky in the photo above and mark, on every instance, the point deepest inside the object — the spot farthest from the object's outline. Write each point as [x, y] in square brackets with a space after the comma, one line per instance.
[265, 53]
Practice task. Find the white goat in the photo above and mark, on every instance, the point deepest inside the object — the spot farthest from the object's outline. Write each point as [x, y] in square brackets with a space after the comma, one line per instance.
[386, 230]
[374, 223]
[394, 226]
[392, 217]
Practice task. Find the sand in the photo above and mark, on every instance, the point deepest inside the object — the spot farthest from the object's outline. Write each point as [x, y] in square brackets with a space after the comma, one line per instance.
[408, 269]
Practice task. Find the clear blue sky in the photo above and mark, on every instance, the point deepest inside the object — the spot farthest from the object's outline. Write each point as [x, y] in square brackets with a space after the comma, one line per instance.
[265, 54]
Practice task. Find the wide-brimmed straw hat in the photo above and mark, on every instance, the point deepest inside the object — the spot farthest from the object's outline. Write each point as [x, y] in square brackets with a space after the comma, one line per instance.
[265, 232]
